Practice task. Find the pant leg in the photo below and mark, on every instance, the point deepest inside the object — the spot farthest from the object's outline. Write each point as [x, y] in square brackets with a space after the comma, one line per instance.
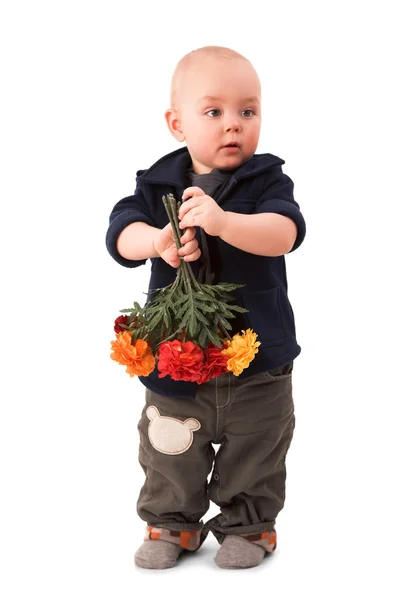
[256, 429]
[176, 455]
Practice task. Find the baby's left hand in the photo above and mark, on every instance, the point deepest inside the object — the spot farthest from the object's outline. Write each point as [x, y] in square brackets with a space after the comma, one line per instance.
[202, 211]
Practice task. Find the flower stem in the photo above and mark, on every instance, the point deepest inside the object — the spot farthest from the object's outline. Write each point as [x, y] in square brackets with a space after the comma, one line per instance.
[171, 207]
[182, 277]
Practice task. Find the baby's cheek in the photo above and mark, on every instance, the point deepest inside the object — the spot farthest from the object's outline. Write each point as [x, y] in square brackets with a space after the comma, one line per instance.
[204, 147]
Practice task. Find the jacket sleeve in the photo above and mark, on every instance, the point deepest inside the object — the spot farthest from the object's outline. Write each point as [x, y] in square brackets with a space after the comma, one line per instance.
[126, 211]
[278, 198]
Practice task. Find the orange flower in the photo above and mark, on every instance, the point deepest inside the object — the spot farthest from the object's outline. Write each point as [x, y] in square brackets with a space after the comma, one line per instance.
[241, 350]
[138, 357]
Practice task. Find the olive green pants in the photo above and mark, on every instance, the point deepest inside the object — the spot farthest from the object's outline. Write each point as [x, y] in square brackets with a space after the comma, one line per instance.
[253, 421]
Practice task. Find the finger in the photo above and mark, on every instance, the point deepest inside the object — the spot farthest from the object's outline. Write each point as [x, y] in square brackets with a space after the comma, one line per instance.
[188, 248]
[193, 256]
[166, 231]
[174, 262]
[167, 228]
[189, 205]
[192, 219]
[192, 191]
[188, 235]
[165, 234]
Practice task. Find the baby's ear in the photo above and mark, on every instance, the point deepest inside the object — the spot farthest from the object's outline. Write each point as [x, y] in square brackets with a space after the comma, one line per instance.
[152, 413]
[174, 124]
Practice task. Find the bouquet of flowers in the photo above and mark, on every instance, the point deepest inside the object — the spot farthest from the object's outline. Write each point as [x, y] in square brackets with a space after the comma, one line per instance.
[183, 328]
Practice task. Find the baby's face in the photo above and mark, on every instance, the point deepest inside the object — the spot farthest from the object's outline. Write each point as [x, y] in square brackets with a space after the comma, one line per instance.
[219, 107]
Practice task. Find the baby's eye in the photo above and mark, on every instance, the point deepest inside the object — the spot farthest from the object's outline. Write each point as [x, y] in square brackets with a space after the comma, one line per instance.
[248, 112]
[214, 112]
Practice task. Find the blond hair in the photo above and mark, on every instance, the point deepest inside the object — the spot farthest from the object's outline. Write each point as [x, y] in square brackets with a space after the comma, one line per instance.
[189, 59]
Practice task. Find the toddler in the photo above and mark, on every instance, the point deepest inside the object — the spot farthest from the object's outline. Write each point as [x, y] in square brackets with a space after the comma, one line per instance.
[240, 219]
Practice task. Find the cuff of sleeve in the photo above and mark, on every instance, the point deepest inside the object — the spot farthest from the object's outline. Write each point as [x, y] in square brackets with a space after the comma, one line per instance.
[116, 226]
[287, 209]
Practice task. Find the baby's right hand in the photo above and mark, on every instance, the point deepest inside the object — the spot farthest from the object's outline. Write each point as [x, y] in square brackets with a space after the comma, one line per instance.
[165, 246]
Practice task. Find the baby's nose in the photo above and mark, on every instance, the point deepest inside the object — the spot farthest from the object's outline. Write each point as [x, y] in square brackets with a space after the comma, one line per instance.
[232, 126]
[231, 123]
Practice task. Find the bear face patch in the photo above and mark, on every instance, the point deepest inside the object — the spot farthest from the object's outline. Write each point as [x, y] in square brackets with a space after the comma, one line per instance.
[169, 435]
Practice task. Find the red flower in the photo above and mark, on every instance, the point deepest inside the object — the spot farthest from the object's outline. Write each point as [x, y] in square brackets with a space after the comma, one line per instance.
[181, 361]
[123, 320]
[215, 363]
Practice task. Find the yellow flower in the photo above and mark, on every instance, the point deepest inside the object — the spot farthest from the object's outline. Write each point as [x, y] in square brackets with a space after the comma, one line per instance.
[241, 350]
[138, 357]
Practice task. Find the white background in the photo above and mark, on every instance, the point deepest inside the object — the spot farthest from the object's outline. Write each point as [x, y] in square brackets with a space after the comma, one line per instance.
[84, 88]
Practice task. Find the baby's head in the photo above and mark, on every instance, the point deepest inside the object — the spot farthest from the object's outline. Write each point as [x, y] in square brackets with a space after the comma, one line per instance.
[215, 108]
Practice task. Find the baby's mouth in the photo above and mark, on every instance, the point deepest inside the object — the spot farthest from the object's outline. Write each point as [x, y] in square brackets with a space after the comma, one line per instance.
[231, 145]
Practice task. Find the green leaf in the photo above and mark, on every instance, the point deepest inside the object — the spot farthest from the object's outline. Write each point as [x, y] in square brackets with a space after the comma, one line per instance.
[192, 325]
[207, 289]
[204, 296]
[239, 309]
[156, 320]
[201, 317]
[225, 323]
[227, 313]
[184, 308]
[203, 338]
[228, 287]
[184, 322]
[180, 300]
[214, 338]
[207, 308]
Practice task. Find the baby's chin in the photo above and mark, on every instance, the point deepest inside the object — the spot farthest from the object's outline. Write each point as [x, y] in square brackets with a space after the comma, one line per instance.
[220, 161]
[230, 162]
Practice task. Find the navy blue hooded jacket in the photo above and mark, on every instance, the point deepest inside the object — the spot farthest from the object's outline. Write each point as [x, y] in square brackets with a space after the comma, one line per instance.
[257, 186]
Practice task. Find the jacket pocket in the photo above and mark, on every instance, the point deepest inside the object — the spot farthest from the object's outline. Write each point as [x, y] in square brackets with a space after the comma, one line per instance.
[265, 316]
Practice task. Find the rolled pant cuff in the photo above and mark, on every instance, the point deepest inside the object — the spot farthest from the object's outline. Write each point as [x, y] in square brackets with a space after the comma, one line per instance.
[189, 539]
[262, 534]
